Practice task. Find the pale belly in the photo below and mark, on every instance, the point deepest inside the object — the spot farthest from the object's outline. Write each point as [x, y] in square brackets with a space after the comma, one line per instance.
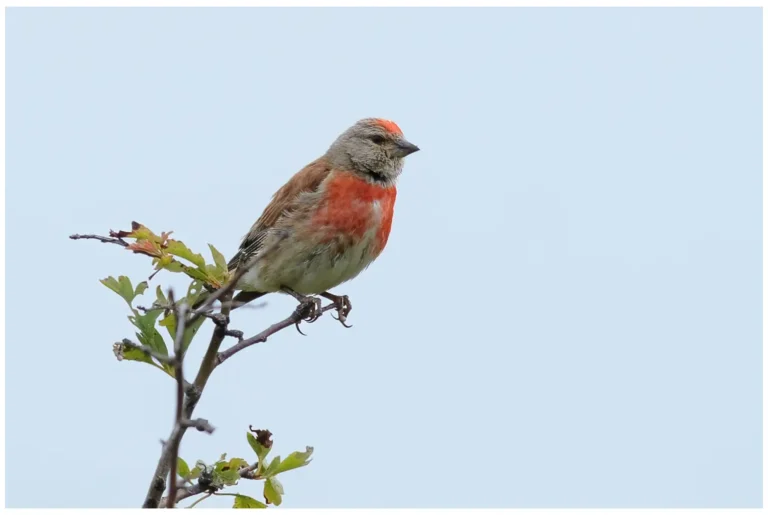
[310, 269]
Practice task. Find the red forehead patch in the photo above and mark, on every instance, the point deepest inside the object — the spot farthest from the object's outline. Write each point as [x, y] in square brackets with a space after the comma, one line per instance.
[389, 126]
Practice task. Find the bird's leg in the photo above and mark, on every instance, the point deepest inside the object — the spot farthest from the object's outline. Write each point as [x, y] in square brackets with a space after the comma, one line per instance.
[310, 308]
[343, 306]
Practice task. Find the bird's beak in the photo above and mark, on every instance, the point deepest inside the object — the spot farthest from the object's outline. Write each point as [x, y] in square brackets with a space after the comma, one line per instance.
[405, 148]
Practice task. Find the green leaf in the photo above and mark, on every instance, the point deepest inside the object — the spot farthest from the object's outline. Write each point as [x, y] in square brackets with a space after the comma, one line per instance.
[174, 266]
[126, 289]
[177, 248]
[126, 350]
[161, 299]
[136, 355]
[194, 273]
[147, 334]
[154, 340]
[220, 275]
[259, 449]
[294, 460]
[273, 491]
[218, 258]
[269, 471]
[237, 463]
[111, 283]
[190, 330]
[243, 501]
[169, 322]
[146, 321]
[193, 292]
[228, 472]
[140, 289]
[182, 468]
[141, 232]
[122, 286]
[195, 472]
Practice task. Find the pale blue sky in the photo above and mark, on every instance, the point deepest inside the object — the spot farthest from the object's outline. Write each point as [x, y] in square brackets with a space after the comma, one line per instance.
[568, 313]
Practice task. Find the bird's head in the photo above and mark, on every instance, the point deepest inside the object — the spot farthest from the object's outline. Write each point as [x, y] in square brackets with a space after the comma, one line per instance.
[373, 148]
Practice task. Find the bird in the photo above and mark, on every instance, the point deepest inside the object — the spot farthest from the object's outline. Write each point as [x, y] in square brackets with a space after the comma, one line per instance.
[328, 223]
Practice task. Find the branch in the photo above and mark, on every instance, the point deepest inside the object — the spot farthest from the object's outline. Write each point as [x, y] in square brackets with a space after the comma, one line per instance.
[198, 488]
[210, 361]
[169, 457]
[199, 423]
[185, 492]
[293, 319]
[200, 500]
[103, 239]
[180, 313]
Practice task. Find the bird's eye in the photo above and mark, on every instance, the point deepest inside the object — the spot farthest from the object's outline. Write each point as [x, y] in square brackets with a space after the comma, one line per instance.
[377, 139]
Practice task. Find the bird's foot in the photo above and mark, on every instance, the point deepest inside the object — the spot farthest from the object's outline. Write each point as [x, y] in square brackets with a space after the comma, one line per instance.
[343, 307]
[308, 310]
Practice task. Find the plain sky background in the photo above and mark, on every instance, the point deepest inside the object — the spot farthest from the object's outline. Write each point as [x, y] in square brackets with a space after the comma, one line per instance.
[568, 313]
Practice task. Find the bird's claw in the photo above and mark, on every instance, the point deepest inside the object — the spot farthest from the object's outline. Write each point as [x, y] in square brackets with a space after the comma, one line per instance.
[343, 307]
[309, 310]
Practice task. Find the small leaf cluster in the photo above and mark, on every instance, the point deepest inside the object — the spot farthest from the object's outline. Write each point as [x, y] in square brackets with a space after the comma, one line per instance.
[224, 472]
[166, 252]
[146, 322]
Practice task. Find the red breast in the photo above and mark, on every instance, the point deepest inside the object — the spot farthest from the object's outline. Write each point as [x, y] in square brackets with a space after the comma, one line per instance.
[349, 206]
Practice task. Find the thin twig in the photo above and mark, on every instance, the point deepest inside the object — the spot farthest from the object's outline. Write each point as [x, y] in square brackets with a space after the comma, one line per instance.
[183, 493]
[199, 423]
[293, 319]
[103, 239]
[193, 392]
[180, 313]
[200, 500]
[169, 456]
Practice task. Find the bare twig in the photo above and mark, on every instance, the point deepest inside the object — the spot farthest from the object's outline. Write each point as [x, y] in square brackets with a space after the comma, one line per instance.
[234, 333]
[169, 456]
[180, 313]
[200, 500]
[154, 307]
[103, 239]
[293, 319]
[199, 423]
[183, 493]
[193, 393]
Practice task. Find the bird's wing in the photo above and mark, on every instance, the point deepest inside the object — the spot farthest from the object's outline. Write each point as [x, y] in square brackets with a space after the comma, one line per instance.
[284, 201]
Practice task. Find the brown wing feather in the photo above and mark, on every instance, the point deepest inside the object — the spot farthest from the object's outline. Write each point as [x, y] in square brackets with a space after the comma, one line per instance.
[283, 201]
